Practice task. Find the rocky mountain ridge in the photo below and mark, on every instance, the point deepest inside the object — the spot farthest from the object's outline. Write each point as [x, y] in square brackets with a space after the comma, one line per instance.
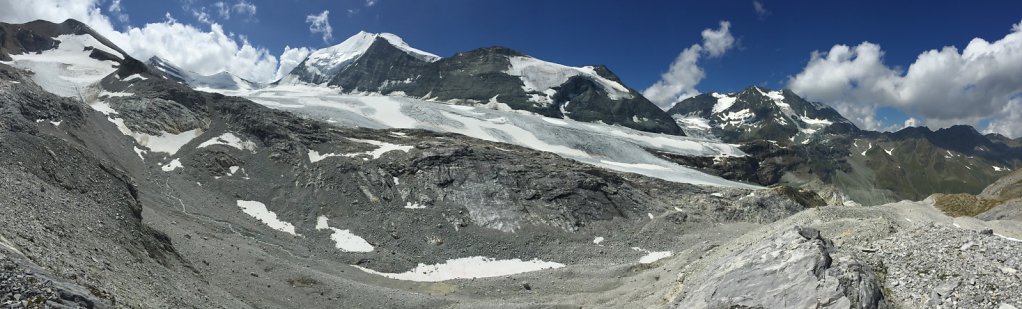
[795, 142]
[497, 76]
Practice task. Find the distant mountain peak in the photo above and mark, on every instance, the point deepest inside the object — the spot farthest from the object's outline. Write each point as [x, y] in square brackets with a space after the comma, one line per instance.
[324, 63]
[755, 113]
[223, 80]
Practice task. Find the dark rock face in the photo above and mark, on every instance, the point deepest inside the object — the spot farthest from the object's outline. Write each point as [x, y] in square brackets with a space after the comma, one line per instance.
[39, 35]
[480, 76]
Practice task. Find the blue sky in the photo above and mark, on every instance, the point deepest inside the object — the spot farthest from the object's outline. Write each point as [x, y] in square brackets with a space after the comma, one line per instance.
[636, 39]
[882, 64]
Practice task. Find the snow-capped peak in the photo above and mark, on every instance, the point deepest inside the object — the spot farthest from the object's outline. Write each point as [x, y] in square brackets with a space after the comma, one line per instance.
[222, 80]
[328, 61]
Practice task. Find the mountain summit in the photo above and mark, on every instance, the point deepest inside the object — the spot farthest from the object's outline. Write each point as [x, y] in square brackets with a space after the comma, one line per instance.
[322, 65]
[222, 80]
[756, 114]
[495, 76]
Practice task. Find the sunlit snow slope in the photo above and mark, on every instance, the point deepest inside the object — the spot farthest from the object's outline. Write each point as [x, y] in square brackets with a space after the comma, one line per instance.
[612, 147]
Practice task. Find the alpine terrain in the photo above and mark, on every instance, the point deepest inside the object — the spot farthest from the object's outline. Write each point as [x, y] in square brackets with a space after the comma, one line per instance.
[378, 175]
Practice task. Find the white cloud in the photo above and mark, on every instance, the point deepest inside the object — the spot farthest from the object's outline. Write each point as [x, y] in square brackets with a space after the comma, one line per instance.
[201, 15]
[1009, 122]
[911, 122]
[370, 2]
[244, 8]
[716, 42]
[223, 9]
[290, 59]
[320, 23]
[684, 74]
[210, 51]
[944, 86]
[86, 11]
[118, 10]
[761, 11]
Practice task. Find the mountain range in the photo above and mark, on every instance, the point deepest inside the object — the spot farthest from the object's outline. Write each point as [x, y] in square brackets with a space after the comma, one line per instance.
[379, 175]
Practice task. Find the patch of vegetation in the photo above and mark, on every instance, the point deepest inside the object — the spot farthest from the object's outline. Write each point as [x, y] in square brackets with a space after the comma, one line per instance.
[804, 197]
[962, 204]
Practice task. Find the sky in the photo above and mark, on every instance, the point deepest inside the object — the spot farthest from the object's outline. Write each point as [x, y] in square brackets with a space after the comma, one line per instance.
[882, 64]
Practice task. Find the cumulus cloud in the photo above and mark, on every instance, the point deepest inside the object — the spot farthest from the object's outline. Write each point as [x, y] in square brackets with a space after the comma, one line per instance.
[57, 11]
[211, 50]
[943, 86]
[761, 11]
[716, 42]
[681, 78]
[290, 59]
[320, 23]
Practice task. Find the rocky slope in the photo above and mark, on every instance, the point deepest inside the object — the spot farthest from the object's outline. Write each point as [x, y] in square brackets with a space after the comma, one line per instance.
[138, 191]
[179, 198]
[383, 63]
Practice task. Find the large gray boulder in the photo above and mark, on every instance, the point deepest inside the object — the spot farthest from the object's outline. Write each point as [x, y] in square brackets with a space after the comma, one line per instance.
[791, 269]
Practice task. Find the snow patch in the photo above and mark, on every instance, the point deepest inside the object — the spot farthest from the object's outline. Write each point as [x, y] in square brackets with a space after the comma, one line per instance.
[598, 240]
[411, 205]
[67, 69]
[133, 77]
[555, 121]
[173, 165]
[652, 256]
[140, 152]
[314, 156]
[230, 140]
[166, 142]
[103, 107]
[867, 149]
[695, 122]
[344, 239]
[258, 210]
[384, 147]
[814, 121]
[724, 102]
[541, 76]
[634, 166]
[467, 268]
[739, 117]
